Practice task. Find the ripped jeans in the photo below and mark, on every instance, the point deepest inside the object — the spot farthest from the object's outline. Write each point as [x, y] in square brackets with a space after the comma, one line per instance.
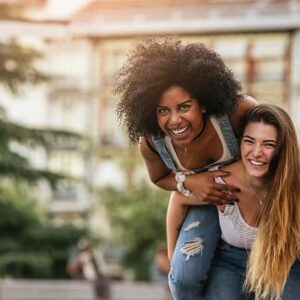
[194, 251]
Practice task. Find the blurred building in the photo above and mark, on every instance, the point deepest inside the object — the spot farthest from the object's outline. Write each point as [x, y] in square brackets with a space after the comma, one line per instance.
[69, 101]
[85, 44]
[258, 39]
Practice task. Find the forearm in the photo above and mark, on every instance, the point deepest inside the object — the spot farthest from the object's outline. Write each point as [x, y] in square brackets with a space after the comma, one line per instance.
[206, 190]
[175, 216]
[158, 172]
[166, 181]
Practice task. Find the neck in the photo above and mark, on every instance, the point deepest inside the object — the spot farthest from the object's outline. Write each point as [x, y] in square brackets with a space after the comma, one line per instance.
[259, 184]
[187, 147]
[201, 130]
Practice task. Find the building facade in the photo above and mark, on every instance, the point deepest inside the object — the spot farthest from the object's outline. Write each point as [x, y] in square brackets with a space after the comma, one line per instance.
[259, 40]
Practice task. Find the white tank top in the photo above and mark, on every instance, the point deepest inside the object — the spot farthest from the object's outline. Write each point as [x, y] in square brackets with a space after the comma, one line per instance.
[234, 229]
[225, 155]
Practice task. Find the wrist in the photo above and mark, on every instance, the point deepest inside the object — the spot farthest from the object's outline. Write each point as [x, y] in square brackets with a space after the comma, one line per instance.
[180, 178]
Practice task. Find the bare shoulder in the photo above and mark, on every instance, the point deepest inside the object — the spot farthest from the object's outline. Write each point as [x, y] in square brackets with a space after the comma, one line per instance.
[236, 171]
[146, 148]
[244, 103]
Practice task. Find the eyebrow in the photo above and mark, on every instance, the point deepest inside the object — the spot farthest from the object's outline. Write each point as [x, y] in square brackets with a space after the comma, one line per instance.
[251, 138]
[185, 101]
[181, 103]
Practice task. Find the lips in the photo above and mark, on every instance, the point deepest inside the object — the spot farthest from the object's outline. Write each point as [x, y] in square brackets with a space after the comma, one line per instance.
[256, 163]
[180, 131]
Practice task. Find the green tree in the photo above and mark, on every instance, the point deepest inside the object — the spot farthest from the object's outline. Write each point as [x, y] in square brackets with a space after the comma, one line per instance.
[137, 217]
[29, 247]
[17, 70]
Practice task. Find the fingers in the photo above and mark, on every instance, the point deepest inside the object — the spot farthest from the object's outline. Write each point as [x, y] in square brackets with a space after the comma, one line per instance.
[227, 188]
[221, 173]
[218, 201]
[217, 195]
[220, 184]
[221, 199]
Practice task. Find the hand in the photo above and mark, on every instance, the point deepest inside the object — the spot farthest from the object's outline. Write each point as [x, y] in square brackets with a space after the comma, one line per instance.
[206, 190]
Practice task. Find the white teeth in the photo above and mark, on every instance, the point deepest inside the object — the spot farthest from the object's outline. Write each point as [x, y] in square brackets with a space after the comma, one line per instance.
[256, 163]
[180, 130]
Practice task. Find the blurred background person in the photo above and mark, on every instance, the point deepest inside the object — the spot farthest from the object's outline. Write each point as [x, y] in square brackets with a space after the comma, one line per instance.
[88, 263]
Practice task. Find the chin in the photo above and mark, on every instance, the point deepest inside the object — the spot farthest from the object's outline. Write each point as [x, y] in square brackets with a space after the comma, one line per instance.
[258, 174]
[182, 141]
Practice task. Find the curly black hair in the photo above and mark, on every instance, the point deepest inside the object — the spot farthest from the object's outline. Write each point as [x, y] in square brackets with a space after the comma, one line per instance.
[154, 66]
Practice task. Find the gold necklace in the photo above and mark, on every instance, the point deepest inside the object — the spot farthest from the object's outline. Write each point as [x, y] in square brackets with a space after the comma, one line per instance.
[186, 161]
[260, 198]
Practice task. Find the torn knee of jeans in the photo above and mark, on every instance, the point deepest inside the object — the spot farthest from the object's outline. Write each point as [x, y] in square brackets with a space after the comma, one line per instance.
[193, 247]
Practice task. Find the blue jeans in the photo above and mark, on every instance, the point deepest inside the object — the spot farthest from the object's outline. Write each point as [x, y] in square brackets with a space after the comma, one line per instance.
[227, 276]
[194, 251]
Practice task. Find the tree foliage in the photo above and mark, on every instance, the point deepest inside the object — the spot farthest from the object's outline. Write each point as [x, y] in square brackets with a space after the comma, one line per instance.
[29, 246]
[13, 138]
[17, 66]
[137, 217]
[19, 69]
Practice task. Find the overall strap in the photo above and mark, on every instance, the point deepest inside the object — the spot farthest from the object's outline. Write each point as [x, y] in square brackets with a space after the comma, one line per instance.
[228, 135]
[230, 141]
[161, 148]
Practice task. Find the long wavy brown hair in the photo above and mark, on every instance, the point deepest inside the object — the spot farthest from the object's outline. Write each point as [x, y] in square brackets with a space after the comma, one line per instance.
[277, 244]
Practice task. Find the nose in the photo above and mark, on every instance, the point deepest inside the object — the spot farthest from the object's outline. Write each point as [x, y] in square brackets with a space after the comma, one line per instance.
[257, 150]
[174, 119]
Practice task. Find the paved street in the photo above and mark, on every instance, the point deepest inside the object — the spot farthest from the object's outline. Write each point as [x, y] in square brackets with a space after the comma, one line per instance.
[77, 290]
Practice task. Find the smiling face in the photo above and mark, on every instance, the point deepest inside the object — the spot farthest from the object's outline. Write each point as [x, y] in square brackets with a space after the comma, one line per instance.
[258, 147]
[179, 115]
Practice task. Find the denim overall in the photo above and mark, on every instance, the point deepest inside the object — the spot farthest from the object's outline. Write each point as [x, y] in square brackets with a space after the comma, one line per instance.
[189, 269]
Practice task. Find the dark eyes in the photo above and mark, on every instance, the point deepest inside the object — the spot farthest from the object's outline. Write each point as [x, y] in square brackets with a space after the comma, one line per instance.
[184, 107]
[162, 110]
[270, 145]
[267, 144]
[248, 141]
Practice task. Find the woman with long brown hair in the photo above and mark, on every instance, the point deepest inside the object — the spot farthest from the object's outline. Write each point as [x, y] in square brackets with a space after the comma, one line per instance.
[265, 223]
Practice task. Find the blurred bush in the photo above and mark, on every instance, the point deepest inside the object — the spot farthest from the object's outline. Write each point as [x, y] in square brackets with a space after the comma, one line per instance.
[138, 218]
[25, 265]
[29, 246]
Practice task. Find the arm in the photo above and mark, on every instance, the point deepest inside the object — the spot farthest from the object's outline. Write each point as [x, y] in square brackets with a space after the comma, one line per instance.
[237, 118]
[176, 212]
[202, 184]
[159, 174]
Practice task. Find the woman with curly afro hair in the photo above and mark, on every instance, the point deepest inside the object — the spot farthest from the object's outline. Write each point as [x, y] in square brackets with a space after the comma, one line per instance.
[185, 108]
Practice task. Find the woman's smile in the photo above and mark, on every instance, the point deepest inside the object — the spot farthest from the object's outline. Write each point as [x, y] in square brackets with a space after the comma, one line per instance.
[179, 115]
